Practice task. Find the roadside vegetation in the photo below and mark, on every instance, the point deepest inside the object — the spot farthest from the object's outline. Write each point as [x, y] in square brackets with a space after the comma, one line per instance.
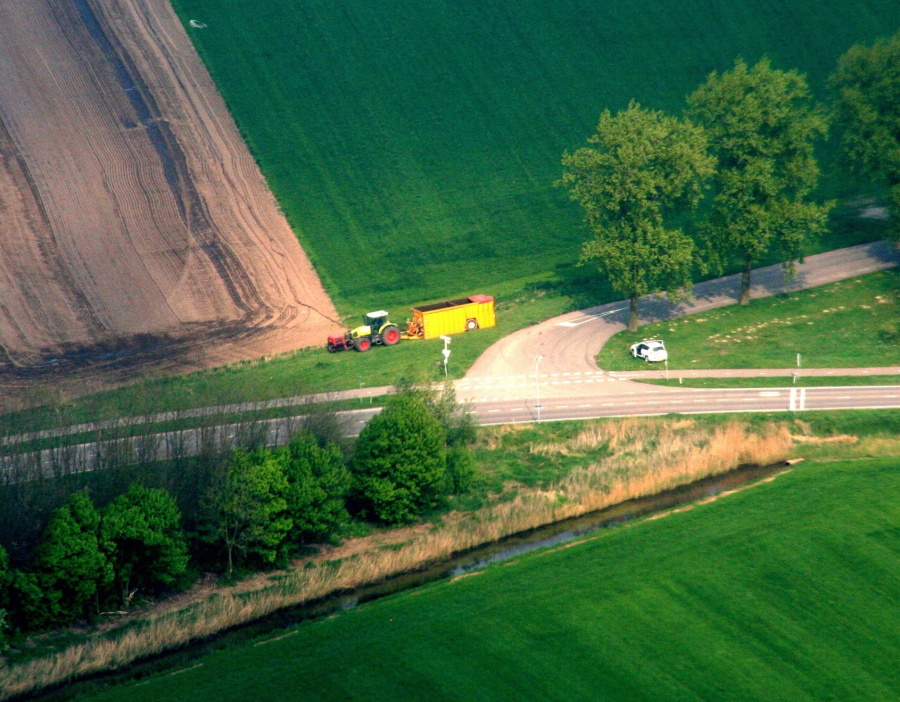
[850, 324]
[785, 590]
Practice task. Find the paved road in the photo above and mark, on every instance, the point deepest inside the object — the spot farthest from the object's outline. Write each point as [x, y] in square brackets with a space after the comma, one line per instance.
[570, 343]
[633, 399]
[503, 387]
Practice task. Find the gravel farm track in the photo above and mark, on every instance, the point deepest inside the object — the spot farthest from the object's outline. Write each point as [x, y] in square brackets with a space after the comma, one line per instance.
[136, 231]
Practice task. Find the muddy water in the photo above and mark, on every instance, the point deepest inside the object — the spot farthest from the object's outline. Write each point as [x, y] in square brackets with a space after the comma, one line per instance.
[481, 557]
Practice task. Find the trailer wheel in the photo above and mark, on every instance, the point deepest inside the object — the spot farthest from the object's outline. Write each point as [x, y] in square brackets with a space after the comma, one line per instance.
[362, 344]
[390, 336]
[471, 324]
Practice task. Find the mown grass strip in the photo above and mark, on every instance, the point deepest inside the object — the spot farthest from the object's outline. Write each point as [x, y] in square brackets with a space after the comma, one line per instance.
[850, 324]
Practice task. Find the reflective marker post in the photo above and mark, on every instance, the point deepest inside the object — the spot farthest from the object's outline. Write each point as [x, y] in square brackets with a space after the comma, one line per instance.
[446, 352]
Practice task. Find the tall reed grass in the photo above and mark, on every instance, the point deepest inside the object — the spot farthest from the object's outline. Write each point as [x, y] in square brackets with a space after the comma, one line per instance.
[647, 456]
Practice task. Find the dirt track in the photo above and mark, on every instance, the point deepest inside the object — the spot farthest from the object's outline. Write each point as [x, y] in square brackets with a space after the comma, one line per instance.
[136, 232]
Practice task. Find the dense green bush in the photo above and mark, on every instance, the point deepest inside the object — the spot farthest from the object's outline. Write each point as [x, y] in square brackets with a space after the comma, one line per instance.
[70, 568]
[400, 462]
[141, 534]
[317, 487]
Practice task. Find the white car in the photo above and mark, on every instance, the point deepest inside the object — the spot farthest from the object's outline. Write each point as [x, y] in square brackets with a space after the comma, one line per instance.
[652, 351]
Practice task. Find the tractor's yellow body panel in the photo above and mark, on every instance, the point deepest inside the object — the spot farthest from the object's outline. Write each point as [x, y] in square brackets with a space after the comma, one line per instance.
[453, 316]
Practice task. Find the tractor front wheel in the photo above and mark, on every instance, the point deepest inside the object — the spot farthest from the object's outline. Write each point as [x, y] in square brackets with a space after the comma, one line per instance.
[390, 336]
[363, 344]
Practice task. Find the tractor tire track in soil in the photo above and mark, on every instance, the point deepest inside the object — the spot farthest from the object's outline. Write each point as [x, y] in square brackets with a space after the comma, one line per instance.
[136, 232]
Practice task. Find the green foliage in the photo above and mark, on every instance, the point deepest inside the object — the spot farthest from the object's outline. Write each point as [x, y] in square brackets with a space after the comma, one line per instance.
[141, 534]
[641, 170]
[461, 468]
[762, 127]
[70, 568]
[248, 512]
[400, 463]
[867, 110]
[6, 577]
[317, 485]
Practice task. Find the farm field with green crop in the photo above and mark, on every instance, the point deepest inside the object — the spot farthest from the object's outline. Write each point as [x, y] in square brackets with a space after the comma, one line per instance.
[785, 591]
[849, 324]
[414, 150]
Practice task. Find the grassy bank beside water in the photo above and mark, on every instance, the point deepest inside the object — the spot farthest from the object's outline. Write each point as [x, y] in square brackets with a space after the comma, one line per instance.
[786, 591]
[562, 471]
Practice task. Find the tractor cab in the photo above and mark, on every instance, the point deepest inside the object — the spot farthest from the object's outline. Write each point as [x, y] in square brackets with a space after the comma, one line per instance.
[375, 320]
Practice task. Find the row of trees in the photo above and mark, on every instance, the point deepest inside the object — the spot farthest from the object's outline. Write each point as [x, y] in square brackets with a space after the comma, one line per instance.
[751, 131]
[88, 559]
[259, 506]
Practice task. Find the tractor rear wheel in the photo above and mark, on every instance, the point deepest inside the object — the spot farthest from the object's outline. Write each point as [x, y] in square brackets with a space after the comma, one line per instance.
[390, 336]
[363, 344]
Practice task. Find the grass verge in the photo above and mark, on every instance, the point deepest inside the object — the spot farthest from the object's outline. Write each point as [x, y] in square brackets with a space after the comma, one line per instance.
[849, 324]
[786, 591]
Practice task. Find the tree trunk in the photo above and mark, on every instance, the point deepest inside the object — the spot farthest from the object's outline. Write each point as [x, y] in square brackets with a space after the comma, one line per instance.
[745, 280]
[632, 314]
[229, 546]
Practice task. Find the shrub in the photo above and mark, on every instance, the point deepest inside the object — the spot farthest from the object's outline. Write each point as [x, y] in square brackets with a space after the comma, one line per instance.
[318, 483]
[141, 534]
[400, 462]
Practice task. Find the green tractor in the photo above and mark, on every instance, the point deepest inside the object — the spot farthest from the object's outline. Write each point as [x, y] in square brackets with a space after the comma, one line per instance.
[376, 329]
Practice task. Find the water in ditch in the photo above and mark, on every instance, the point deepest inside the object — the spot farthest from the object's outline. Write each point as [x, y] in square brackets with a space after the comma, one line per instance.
[480, 557]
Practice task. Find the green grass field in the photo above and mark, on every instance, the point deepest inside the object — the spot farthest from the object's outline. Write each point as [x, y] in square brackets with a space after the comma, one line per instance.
[414, 149]
[842, 325]
[786, 591]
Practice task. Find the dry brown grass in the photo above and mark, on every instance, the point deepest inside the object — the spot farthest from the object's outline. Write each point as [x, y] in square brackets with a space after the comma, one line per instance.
[647, 457]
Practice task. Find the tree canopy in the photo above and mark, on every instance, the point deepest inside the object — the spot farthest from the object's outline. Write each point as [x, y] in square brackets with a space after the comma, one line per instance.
[867, 111]
[70, 568]
[400, 461]
[141, 535]
[762, 126]
[641, 170]
[248, 509]
[317, 485]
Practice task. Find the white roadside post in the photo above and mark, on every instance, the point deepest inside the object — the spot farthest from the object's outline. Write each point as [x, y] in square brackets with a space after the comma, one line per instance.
[446, 352]
[537, 381]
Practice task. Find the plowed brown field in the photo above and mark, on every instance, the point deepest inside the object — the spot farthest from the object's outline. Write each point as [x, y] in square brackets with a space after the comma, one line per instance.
[136, 231]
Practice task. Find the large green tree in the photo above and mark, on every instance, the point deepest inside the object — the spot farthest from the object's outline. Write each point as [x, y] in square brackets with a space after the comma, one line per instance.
[141, 534]
[70, 568]
[317, 487]
[762, 126]
[641, 171]
[867, 111]
[400, 461]
[248, 512]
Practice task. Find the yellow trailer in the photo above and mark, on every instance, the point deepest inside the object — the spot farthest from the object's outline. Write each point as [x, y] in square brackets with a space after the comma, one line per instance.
[452, 317]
